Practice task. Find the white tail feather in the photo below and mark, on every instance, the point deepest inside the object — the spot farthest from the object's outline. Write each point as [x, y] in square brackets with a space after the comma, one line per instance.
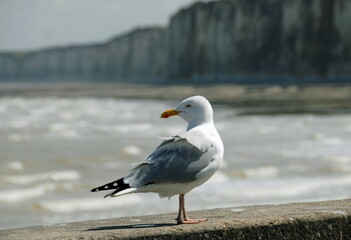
[125, 191]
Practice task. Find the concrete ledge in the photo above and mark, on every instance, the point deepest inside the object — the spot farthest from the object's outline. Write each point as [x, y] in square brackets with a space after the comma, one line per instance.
[318, 220]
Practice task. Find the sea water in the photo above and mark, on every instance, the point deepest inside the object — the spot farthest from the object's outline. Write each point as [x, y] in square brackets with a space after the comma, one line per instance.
[54, 150]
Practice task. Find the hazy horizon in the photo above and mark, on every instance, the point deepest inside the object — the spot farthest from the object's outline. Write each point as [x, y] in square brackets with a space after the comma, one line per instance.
[35, 24]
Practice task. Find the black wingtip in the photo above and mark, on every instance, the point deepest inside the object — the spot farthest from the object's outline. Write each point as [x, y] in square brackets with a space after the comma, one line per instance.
[95, 189]
[118, 185]
[114, 192]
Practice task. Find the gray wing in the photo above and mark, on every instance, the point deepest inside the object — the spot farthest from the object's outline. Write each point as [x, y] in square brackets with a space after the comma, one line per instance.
[174, 161]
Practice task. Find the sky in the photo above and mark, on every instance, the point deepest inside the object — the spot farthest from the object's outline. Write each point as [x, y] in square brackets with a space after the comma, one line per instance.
[35, 24]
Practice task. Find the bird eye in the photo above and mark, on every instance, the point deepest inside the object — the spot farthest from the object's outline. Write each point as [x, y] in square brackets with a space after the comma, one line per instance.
[188, 105]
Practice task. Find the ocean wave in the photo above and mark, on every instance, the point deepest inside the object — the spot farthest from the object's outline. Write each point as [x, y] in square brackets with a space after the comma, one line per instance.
[333, 141]
[219, 177]
[260, 172]
[132, 150]
[22, 194]
[267, 129]
[62, 129]
[136, 127]
[59, 116]
[288, 189]
[340, 163]
[17, 137]
[324, 139]
[346, 159]
[21, 123]
[32, 178]
[87, 204]
[15, 165]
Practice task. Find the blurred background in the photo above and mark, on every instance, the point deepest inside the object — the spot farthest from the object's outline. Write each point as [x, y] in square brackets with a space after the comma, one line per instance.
[83, 84]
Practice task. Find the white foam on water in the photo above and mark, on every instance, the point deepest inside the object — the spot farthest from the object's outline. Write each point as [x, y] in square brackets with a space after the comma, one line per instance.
[59, 116]
[92, 111]
[278, 189]
[318, 136]
[340, 163]
[268, 129]
[333, 141]
[3, 107]
[228, 191]
[323, 139]
[58, 127]
[338, 159]
[219, 177]
[63, 130]
[87, 204]
[17, 137]
[260, 172]
[70, 133]
[15, 165]
[66, 175]
[20, 123]
[22, 194]
[348, 128]
[132, 150]
[136, 127]
[67, 116]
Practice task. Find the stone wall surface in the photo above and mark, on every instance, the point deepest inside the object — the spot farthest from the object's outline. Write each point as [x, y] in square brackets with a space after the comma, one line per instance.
[315, 220]
[238, 41]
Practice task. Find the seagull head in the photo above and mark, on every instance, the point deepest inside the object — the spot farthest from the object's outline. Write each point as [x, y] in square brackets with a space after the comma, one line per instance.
[195, 110]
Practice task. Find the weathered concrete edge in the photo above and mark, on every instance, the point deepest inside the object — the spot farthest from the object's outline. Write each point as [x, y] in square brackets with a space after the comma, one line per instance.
[315, 220]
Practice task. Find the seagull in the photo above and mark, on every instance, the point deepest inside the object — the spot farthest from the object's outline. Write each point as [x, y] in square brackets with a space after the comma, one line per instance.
[180, 163]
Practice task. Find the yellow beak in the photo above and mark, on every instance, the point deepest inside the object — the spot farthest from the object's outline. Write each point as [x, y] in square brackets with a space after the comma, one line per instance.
[169, 113]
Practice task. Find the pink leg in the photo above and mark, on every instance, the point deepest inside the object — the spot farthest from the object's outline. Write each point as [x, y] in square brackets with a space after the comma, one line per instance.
[179, 217]
[181, 211]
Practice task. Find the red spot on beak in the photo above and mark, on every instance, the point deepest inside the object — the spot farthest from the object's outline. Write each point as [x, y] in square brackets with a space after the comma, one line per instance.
[169, 113]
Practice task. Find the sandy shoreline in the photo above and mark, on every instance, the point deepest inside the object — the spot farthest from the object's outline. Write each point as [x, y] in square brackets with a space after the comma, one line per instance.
[260, 99]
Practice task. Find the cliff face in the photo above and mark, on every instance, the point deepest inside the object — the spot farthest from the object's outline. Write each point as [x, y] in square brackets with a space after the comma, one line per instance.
[139, 56]
[126, 58]
[271, 41]
[262, 40]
